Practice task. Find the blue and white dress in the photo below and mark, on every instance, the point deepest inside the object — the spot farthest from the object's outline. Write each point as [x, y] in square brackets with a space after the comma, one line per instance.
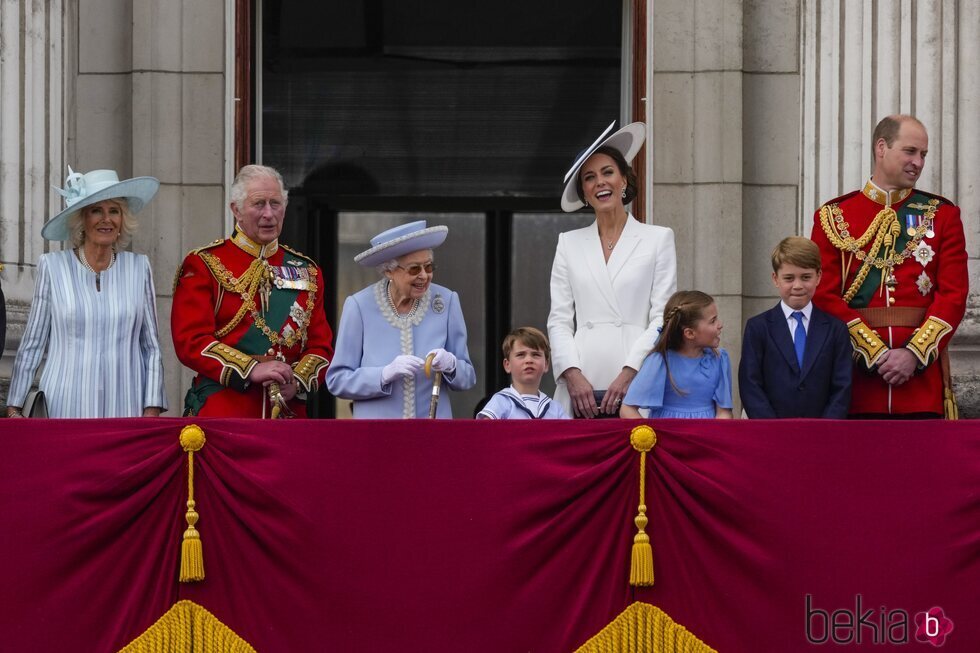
[511, 404]
[705, 383]
[103, 349]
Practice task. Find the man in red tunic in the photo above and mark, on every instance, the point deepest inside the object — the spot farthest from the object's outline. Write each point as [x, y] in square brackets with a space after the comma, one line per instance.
[895, 270]
[248, 312]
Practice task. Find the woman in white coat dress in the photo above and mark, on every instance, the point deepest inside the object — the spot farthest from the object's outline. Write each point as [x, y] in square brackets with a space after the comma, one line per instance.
[609, 282]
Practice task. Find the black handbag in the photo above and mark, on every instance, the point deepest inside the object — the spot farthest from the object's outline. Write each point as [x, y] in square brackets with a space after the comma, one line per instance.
[597, 396]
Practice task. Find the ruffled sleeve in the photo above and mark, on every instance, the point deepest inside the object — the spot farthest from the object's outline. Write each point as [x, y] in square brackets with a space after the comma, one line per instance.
[647, 389]
[723, 390]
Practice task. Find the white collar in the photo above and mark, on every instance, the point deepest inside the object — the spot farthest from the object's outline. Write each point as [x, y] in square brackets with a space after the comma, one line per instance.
[806, 310]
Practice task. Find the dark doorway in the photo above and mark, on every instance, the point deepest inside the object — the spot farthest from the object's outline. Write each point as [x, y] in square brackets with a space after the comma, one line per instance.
[465, 114]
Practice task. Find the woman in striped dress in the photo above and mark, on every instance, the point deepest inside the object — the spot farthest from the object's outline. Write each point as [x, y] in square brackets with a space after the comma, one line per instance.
[94, 309]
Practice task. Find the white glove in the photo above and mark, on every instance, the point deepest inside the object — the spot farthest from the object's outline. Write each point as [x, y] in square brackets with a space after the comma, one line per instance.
[402, 365]
[444, 361]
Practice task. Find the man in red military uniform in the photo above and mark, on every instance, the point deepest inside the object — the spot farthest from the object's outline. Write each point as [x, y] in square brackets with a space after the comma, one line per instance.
[248, 312]
[895, 270]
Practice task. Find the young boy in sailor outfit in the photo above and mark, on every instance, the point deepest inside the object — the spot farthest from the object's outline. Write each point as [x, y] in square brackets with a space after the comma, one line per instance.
[526, 358]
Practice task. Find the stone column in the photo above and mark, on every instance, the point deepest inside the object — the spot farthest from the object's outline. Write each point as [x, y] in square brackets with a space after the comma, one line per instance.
[32, 110]
[864, 60]
[697, 146]
[178, 108]
[771, 134]
[138, 87]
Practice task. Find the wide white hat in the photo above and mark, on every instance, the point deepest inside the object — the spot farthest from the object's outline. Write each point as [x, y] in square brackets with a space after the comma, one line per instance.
[401, 240]
[627, 141]
[83, 190]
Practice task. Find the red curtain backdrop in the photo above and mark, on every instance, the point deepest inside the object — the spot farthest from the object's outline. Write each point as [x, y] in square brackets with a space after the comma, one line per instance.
[482, 536]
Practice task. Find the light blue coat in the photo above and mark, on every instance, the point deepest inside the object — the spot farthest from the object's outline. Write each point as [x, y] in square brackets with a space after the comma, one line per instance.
[371, 335]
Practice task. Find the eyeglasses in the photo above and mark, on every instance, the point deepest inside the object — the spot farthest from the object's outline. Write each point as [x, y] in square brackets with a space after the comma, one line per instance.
[415, 269]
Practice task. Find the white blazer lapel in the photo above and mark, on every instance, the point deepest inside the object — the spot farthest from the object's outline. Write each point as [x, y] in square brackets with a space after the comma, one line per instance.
[628, 241]
[591, 252]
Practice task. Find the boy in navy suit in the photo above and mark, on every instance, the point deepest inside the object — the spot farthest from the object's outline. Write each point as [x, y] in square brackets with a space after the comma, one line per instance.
[796, 359]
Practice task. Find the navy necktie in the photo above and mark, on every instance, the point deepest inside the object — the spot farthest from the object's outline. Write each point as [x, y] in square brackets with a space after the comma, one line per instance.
[799, 337]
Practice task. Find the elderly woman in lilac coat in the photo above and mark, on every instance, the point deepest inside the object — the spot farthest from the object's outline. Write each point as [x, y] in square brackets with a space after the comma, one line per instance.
[388, 329]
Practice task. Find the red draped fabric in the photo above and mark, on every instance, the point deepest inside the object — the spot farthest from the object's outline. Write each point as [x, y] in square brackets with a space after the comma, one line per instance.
[485, 536]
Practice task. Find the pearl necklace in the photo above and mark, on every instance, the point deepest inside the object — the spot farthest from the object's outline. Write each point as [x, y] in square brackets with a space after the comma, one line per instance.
[98, 274]
[391, 303]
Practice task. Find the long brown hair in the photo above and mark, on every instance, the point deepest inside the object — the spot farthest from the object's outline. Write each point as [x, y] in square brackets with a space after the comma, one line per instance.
[683, 310]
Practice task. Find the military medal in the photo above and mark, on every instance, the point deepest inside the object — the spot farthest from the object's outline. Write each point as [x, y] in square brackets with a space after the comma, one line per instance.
[910, 223]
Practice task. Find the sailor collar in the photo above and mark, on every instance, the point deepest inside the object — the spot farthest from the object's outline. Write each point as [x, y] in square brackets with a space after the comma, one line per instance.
[878, 195]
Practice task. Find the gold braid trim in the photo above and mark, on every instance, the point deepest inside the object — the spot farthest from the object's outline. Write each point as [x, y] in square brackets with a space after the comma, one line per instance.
[232, 359]
[307, 369]
[925, 340]
[884, 229]
[246, 286]
[644, 628]
[188, 627]
[868, 346]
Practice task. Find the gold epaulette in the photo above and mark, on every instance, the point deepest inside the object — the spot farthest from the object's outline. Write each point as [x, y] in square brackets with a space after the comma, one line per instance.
[307, 370]
[231, 359]
[180, 268]
[867, 344]
[299, 254]
[942, 200]
[924, 342]
[214, 243]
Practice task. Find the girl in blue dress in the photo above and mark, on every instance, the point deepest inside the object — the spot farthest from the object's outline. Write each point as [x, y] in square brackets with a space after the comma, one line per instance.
[687, 374]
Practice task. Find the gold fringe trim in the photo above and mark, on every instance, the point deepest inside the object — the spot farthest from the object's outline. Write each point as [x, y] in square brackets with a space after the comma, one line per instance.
[643, 439]
[188, 628]
[644, 628]
[191, 549]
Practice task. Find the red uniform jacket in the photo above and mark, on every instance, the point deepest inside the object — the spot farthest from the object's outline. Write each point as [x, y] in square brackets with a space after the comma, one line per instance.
[222, 326]
[920, 242]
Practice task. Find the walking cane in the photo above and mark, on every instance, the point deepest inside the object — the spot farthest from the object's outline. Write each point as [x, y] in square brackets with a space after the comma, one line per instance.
[436, 383]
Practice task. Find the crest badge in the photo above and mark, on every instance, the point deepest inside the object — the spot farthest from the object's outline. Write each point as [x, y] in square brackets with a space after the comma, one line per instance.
[924, 283]
[924, 253]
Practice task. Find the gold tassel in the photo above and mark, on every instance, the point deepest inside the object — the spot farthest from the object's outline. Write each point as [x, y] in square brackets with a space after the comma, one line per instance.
[950, 409]
[643, 439]
[191, 550]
